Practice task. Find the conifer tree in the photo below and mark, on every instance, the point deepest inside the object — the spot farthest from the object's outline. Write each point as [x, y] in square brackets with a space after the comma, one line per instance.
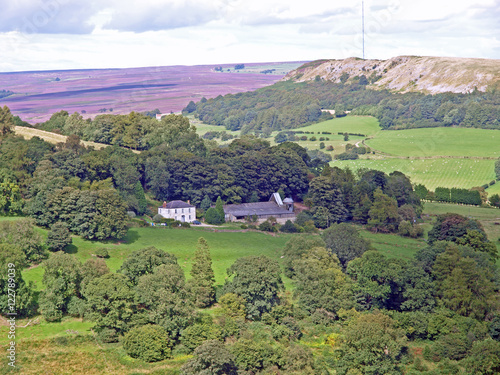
[219, 206]
[202, 282]
[141, 198]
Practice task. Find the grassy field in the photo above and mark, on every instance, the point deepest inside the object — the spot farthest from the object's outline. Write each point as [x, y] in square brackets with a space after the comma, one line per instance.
[53, 138]
[427, 142]
[225, 248]
[445, 172]
[351, 124]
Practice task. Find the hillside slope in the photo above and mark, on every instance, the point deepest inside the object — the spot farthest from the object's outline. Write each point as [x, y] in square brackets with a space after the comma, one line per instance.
[430, 75]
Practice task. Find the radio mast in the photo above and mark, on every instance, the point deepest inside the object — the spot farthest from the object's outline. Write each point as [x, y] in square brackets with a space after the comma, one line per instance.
[363, 25]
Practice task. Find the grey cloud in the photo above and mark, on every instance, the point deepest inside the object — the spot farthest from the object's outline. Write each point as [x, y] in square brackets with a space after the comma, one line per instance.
[47, 17]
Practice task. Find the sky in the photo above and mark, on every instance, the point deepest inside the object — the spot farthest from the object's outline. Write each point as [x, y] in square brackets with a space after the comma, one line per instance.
[85, 34]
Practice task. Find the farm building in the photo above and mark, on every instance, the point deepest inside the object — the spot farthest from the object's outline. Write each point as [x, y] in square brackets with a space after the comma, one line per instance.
[178, 210]
[275, 207]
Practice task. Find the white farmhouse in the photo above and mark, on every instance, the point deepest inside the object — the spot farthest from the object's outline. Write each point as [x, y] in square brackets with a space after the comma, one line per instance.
[178, 210]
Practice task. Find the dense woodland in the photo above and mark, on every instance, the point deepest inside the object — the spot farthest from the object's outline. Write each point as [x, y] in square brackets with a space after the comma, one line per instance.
[369, 310]
[288, 105]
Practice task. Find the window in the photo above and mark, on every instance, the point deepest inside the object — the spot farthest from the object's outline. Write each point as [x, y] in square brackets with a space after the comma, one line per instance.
[176, 210]
[183, 210]
[189, 217]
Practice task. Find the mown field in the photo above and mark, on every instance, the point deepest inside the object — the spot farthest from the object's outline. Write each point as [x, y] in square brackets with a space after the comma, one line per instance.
[445, 172]
[426, 142]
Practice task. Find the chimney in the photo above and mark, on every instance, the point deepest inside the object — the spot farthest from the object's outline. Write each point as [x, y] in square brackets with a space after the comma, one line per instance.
[189, 201]
[164, 204]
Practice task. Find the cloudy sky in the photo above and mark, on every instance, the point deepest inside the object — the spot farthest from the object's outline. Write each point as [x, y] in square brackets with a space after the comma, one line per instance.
[76, 34]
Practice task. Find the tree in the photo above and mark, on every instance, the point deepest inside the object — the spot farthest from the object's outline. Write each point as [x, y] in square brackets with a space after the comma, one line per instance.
[258, 280]
[165, 299]
[383, 213]
[219, 207]
[345, 242]
[462, 285]
[372, 345]
[6, 122]
[295, 248]
[205, 203]
[484, 358]
[379, 280]
[203, 279]
[149, 343]
[210, 358]
[111, 305]
[144, 261]
[22, 234]
[450, 227]
[62, 279]
[320, 282]
[11, 202]
[58, 237]
[213, 217]
[142, 206]
[12, 258]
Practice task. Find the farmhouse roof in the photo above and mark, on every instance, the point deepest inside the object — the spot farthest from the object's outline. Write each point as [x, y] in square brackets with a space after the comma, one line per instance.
[258, 208]
[177, 204]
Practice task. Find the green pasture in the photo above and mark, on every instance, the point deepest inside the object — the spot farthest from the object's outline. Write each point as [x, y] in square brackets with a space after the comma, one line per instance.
[225, 248]
[444, 172]
[366, 125]
[394, 246]
[426, 142]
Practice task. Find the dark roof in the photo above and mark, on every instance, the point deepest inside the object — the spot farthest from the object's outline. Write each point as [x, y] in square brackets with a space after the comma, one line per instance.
[258, 208]
[178, 204]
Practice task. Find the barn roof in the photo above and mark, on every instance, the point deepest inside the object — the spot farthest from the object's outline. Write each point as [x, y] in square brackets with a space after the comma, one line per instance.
[258, 208]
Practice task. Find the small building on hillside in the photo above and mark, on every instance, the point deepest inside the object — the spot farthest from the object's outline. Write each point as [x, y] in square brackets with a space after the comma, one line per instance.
[178, 210]
[275, 207]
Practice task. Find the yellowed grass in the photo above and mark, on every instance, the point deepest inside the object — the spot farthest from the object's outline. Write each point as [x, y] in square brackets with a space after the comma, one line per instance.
[53, 138]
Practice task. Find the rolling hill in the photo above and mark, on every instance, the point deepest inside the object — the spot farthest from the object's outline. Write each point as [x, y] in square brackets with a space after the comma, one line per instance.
[425, 74]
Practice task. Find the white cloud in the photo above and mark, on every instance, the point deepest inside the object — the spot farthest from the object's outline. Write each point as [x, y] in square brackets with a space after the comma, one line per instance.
[63, 34]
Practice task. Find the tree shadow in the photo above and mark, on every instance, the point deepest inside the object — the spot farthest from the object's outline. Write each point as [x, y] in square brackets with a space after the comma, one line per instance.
[131, 237]
[70, 249]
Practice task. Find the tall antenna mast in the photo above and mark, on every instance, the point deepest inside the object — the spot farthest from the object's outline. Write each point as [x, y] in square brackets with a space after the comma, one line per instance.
[363, 25]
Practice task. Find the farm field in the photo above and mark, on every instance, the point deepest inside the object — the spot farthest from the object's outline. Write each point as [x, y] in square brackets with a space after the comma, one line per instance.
[50, 137]
[444, 172]
[351, 124]
[427, 142]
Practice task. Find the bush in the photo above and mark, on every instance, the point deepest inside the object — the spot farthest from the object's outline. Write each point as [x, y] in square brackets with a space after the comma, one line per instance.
[102, 253]
[157, 218]
[289, 227]
[149, 343]
[347, 156]
[194, 335]
[131, 214]
[185, 225]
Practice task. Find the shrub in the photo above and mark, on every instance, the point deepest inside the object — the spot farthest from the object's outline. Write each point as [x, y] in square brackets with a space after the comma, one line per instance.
[194, 335]
[313, 138]
[157, 218]
[131, 214]
[102, 253]
[149, 343]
